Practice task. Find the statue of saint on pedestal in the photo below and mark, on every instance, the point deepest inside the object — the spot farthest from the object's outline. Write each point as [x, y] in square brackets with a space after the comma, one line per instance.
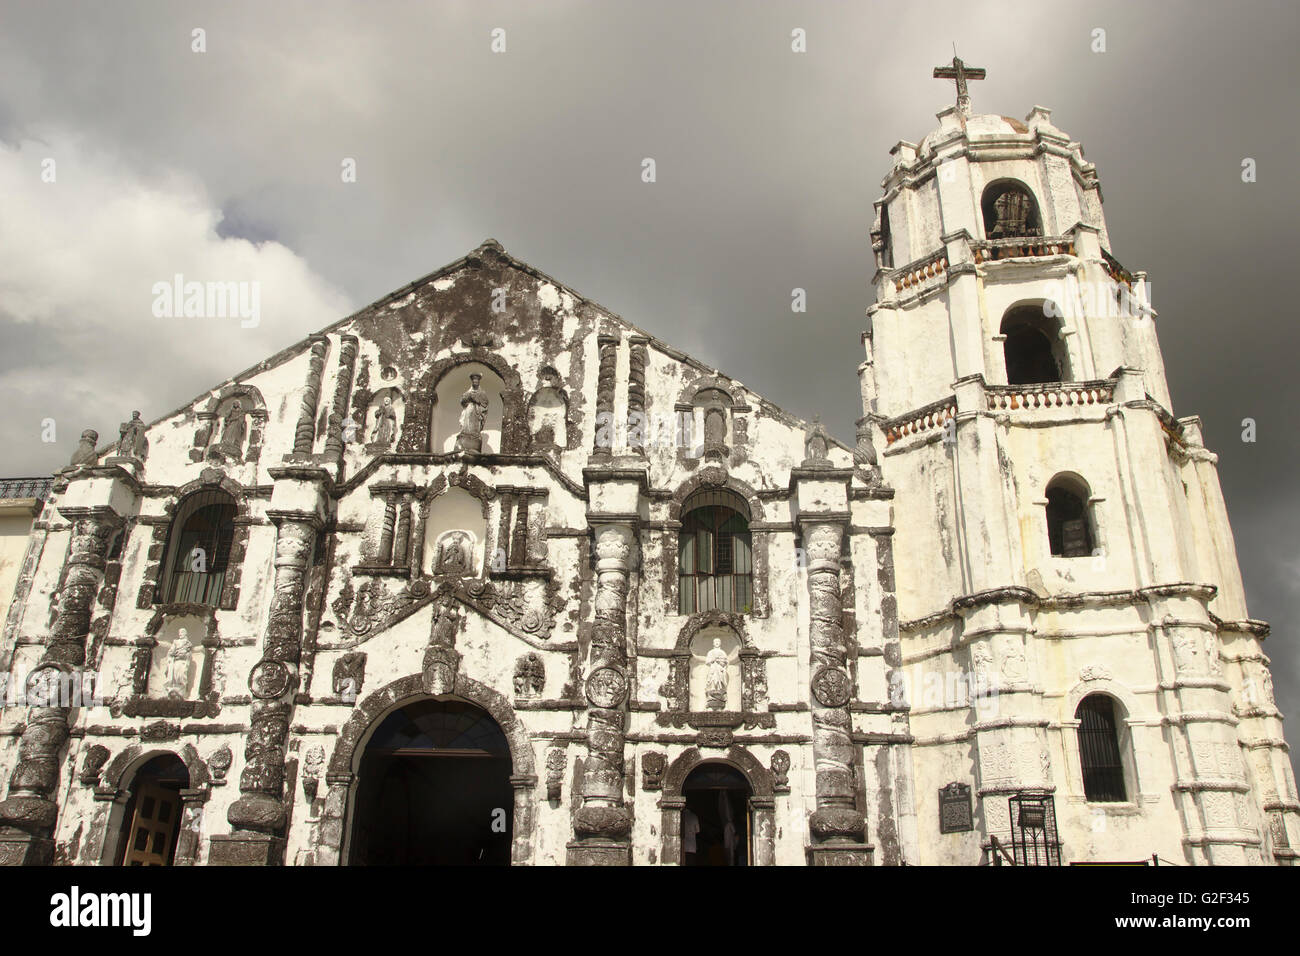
[715, 682]
[473, 416]
[179, 664]
[85, 453]
[232, 430]
[131, 444]
[386, 425]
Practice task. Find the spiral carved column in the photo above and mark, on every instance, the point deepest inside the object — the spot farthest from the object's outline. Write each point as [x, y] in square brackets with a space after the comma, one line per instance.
[258, 816]
[28, 814]
[838, 828]
[602, 824]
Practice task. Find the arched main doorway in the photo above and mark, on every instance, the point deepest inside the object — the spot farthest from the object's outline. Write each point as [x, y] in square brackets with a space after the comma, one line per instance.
[434, 789]
[717, 820]
[152, 817]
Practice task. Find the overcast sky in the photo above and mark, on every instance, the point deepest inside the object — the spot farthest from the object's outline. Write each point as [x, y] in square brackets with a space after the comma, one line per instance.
[226, 165]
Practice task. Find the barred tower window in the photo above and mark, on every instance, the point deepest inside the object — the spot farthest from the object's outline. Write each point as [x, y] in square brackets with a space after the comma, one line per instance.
[1010, 211]
[1069, 528]
[1099, 750]
[716, 569]
[198, 552]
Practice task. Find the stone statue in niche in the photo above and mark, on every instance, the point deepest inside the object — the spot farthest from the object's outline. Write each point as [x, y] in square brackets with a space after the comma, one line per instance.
[131, 444]
[454, 555]
[530, 676]
[385, 423]
[715, 684]
[473, 416]
[715, 425]
[179, 664]
[233, 429]
[85, 453]
[547, 415]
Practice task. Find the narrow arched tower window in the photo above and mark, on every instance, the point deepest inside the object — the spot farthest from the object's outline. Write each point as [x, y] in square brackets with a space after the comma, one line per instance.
[1033, 349]
[1069, 528]
[198, 551]
[1009, 211]
[716, 568]
[1099, 751]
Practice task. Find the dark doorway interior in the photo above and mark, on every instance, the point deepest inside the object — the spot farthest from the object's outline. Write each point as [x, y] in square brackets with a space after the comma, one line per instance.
[716, 818]
[435, 790]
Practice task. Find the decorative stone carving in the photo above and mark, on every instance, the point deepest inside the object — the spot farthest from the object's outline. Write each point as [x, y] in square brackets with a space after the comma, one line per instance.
[85, 453]
[441, 660]
[312, 765]
[92, 764]
[781, 771]
[349, 676]
[557, 762]
[474, 405]
[832, 687]
[715, 737]
[1212, 654]
[1094, 672]
[131, 444]
[530, 676]
[180, 664]
[653, 764]
[219, 763]
[269, 680]
[548, 413]
[865, 463]
[606, 687]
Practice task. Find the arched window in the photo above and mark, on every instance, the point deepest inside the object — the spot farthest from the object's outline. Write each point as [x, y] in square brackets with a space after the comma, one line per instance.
[1069, 530]
[716, 569]
[198, 552]
[1009, 211]
[1033, 348]
[1099, 750]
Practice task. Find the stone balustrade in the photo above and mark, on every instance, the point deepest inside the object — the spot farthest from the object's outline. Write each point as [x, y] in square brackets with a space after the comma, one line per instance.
[918, 273]
[931, 416]
[991, 250]
[1049, 395]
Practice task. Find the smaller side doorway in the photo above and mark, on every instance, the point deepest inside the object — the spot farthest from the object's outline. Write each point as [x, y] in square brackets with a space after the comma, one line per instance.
[717, 820]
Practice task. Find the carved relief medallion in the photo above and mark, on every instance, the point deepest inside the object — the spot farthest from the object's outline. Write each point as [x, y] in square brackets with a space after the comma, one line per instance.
[832, 687]
[606, 687]
[268, 680]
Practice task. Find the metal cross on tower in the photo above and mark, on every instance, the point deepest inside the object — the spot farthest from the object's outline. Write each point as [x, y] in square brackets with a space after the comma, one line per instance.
[960, 72]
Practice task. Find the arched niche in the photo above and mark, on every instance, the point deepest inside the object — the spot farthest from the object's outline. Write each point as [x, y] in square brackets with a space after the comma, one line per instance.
[448, 412]
[455, 522]
[383, 424]
[715, 658]
[1010, 211]
[548, 415]
[1033, 347]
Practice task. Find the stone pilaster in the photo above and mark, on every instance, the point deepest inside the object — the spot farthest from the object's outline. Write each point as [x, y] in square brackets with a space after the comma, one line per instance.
[603, 823]
[29, 812]
[838, 828]
[605, 384]
[258, 816]
[637, 424]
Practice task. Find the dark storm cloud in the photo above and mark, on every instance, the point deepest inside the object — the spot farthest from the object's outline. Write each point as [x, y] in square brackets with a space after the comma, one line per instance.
[767, 166]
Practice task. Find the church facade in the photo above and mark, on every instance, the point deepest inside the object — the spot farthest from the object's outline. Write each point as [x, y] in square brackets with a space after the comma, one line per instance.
[485, 573]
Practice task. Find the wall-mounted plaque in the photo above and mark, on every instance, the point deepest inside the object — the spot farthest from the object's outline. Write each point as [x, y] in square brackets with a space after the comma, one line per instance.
[954, 809]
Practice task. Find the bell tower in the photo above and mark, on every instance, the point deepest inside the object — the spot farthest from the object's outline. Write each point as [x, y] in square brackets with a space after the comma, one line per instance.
[1067, 577]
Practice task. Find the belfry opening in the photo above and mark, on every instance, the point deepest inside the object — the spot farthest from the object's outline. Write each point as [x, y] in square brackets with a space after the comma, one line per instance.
[434, 789]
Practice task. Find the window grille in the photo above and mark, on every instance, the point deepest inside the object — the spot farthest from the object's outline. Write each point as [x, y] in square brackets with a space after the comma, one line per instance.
[1099, 756]
[715, 554]
[199, 553]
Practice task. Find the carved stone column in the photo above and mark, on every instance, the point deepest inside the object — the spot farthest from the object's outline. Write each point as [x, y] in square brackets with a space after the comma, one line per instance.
[637, 425]
[339, 410]
[304, 435]
[605, 385]
[28, 814]
[258, 816]
[838, 829]
[602, 824]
